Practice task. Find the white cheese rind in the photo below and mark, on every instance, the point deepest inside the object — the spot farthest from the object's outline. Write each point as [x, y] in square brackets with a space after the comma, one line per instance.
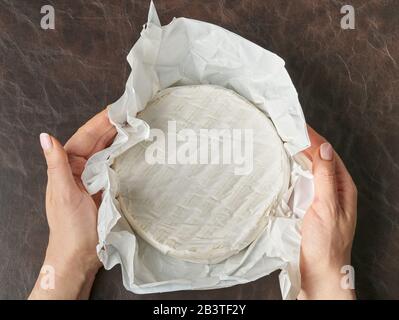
[202, 213]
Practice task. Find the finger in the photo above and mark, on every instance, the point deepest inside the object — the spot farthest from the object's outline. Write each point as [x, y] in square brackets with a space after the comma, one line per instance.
[346, 188]
[105, 141]
[316, 141]
[77, 164]
[325, 175]
[58, 169]
[92, 136]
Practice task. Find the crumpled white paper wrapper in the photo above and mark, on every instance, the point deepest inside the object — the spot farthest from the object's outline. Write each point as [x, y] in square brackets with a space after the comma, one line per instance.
[187, 52]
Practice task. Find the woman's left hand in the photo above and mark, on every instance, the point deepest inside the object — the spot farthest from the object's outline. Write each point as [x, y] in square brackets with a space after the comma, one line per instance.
[71, 256]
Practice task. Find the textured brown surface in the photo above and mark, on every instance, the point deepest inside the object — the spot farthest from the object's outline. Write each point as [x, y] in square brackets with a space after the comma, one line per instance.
[348, 83]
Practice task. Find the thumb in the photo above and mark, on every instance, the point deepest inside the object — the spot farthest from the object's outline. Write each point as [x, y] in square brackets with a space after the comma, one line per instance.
[58, 170]
[324, 174]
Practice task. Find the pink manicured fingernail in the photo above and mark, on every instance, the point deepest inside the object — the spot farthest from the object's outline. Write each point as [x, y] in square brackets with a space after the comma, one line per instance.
[326, 151]
[45, 141]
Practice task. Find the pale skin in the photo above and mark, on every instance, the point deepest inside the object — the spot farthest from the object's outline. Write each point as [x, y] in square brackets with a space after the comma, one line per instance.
[327, 230]
[72, 212]
[328, 226]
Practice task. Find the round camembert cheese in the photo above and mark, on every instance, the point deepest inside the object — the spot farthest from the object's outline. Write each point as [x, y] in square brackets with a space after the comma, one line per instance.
[205, 185]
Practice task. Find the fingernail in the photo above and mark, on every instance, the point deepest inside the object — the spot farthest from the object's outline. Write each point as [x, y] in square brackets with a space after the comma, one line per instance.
[45, 141]
[326, 151]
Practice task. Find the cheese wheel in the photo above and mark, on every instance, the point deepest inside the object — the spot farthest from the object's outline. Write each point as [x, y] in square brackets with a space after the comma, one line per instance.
[195, 204]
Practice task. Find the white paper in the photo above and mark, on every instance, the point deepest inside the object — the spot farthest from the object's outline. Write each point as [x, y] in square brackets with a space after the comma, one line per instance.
[187, 52]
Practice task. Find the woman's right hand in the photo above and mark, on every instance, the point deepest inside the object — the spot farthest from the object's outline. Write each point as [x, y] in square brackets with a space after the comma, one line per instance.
[328, 226]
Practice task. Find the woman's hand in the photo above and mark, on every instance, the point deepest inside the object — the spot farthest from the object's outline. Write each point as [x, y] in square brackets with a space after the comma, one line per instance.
[328, 226]
[71, 213]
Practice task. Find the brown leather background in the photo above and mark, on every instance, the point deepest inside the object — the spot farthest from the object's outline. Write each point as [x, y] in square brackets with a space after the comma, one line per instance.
[347, 80]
